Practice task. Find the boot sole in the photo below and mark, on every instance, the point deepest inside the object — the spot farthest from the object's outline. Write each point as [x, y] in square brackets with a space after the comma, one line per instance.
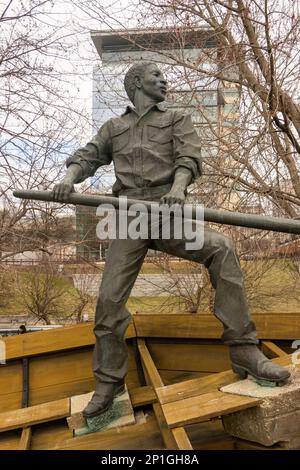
[243, 372]
[119, 391]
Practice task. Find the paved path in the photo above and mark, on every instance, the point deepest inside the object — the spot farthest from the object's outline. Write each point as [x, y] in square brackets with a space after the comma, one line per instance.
[146, 285]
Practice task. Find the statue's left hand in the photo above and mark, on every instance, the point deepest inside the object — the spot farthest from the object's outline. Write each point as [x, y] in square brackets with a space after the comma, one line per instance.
[175, 196]
[62, 191]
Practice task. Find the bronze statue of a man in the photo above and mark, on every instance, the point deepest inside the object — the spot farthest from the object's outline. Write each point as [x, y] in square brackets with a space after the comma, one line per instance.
[156, 155]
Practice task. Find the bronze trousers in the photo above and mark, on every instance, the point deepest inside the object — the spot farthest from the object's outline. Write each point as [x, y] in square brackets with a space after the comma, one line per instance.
[123, 263]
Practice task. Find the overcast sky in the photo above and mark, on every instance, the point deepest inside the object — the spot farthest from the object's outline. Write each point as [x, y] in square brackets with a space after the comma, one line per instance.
[79, 24]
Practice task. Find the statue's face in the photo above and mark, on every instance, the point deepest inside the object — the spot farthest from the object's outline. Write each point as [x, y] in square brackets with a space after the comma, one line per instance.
[153, 83]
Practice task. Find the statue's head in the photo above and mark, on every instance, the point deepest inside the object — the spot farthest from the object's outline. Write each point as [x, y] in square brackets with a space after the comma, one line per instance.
[146, 77]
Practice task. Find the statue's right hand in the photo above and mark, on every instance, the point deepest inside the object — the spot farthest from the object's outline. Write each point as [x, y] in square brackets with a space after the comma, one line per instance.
[62, 191]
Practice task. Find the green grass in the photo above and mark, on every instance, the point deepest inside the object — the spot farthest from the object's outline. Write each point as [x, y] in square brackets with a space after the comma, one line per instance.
[163, 305]
[276, 290]
[177, 266]
[12, 304]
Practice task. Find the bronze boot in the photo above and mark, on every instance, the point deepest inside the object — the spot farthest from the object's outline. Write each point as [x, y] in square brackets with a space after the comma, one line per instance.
[103, 397]
[248, 359]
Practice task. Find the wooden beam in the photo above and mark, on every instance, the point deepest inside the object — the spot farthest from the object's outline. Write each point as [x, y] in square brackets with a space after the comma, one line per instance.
[286, 360]
[25, 440]
[141, 396]
[180, 440]
[194, 387]
[54, 340]
[204, 407]
[149, 364]
[26, 417]
[9, 441]
[271, 350]
[189, 356]
[201, 385]
[170, 377]
[144, 436]
[270, 326]
[210, 383]
[177, 326]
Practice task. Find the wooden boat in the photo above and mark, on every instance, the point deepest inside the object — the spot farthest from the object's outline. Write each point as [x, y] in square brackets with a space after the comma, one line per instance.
[177, 364]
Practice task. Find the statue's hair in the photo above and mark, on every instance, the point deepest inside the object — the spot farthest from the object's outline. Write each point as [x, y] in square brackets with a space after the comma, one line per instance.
[136, 70]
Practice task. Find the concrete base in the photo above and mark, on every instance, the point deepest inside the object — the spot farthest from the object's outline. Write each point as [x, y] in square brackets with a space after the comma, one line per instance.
[119, 414]
[276, 419]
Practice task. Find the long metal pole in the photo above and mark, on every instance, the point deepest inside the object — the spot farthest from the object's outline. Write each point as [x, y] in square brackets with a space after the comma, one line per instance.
[275, 224]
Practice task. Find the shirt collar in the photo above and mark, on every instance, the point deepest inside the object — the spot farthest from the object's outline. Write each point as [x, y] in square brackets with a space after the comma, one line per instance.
[159, 106]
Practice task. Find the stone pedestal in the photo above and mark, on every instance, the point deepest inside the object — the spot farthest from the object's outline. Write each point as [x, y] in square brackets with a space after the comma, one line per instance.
[276, 419]
[119, 414]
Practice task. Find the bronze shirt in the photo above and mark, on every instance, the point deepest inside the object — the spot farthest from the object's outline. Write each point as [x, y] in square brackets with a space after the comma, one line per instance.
[146, 150]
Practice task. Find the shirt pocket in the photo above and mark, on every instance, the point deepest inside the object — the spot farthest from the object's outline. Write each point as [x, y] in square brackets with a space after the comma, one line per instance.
[120, 137]
[160, 131]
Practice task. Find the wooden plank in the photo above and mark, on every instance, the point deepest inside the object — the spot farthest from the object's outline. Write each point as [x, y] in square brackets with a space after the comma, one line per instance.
[25, 439]
[181, 438]
[57, 436]
[152, 375]
[148, 362]
[57, 339]
[10, 440]
[270, 326]
[145, 436]
[190, 356]
[166, 433]
[11, 378]
[12, 401]
[204, 407]
[50, 435]
[195, 387]
[141, 396]
[34, 415]
[271, 350]
[153, 378]
[170, 377]
[285, 360]
[54, 376]
[60, 368]
[177, 326]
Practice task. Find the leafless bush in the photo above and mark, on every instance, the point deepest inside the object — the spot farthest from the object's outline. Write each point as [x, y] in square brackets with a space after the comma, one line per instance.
[42, 293]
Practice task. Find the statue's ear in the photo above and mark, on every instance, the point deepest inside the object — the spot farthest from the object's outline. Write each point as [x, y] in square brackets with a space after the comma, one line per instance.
[138, 81]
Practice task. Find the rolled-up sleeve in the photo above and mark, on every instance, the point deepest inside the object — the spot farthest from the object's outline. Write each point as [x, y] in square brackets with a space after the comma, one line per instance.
[187, 149]
[96, 153]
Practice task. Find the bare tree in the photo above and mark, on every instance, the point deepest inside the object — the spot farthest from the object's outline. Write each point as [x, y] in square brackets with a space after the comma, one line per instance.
[41, 122]
[42, 294]
[255, 49]
[81, 294]
[7, 282]
[183, 285]
[247, 52]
